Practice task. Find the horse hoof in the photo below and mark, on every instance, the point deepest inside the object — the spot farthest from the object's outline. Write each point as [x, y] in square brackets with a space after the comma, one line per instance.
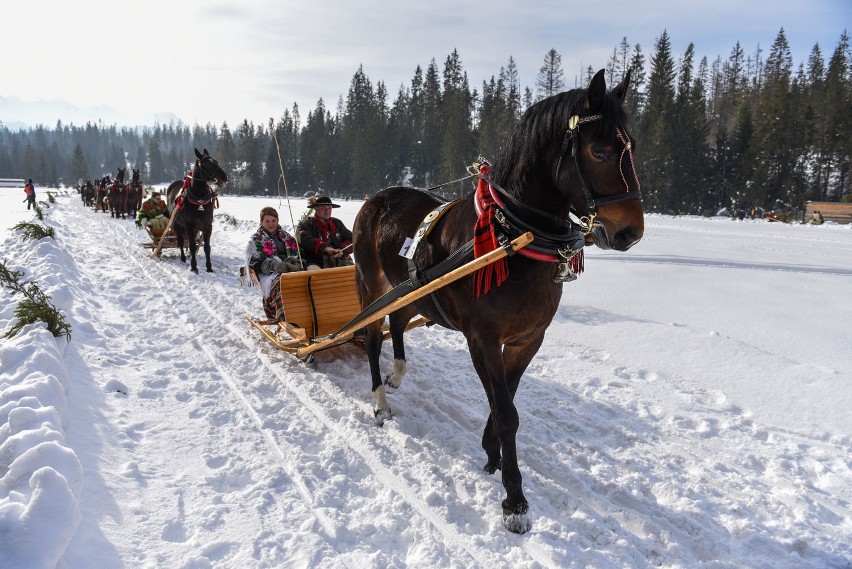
[389, 387]
[517, 519]
[194, 270]
[209, 269]
[493, 466]
[381, 416]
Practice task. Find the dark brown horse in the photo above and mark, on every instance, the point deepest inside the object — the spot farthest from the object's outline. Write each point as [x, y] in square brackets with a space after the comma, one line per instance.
[195, 199]
[570, 154]
[135, 193]
[101, 191]
[117, 197]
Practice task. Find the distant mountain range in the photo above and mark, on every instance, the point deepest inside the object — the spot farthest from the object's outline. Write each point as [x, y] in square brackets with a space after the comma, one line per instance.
[16, 114]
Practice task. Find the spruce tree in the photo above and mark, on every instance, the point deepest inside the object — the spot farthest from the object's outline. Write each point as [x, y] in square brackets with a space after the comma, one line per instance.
[550, 78]
[655, 133]
[635, 100]
[838, 106]
[775, 127]
[79, 167]
[457, 105]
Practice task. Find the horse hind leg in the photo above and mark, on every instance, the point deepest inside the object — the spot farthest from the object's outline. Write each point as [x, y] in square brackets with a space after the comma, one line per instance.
[193, 251]
[370, 282]
[179, 239]
[397, 323]
[373, 345]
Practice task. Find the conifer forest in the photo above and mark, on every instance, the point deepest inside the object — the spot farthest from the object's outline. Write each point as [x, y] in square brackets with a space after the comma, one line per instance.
[746, 130]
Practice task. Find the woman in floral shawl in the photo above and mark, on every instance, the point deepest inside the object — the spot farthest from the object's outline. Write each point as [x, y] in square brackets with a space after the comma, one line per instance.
[270, 252]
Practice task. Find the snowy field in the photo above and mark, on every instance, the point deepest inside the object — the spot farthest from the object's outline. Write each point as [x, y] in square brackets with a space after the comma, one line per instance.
[690, 408]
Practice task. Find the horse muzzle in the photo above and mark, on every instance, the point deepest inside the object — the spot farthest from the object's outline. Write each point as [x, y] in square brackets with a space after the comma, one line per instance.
[622, 240]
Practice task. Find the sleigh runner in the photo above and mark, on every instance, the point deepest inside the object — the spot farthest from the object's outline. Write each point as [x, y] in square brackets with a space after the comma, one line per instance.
[166, 236]
[323, 309]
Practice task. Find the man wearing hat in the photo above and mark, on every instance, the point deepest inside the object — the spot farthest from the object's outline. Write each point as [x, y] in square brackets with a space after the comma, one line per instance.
[151, 208]
[324, 240]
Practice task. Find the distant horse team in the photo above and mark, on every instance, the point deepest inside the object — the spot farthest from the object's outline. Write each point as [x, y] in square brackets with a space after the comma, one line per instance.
[195, 197]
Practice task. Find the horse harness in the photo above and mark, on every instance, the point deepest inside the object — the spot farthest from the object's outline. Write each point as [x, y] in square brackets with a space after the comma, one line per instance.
[565, 248]
[210, 196]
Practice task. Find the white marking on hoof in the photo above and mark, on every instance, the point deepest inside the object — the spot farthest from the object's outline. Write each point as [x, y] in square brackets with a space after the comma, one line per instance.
[517, 523]
[394, 380]
[382, 411]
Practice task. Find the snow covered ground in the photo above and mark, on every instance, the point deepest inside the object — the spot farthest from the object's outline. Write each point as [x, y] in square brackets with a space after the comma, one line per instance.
[690, 408]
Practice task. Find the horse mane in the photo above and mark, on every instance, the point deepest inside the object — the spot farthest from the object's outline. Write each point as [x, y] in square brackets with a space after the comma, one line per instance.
[537, 139]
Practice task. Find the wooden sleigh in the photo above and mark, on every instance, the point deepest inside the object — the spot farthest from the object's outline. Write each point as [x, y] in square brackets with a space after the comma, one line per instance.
[323, 309]
[157, 233]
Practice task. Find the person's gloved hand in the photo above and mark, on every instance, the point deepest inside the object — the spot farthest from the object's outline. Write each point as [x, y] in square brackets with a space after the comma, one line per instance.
[292, 263]
[287, 265]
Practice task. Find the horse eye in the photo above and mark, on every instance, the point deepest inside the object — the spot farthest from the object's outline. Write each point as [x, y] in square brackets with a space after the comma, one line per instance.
[599, 154]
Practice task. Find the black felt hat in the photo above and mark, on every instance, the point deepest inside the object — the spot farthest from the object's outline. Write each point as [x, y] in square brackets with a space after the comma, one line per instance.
[323, 200]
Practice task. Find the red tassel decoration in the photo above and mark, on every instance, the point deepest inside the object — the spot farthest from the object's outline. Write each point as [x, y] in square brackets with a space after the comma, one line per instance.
[485, 240]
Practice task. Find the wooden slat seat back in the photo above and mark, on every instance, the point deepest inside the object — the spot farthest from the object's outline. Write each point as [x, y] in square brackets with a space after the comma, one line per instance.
[322, 301]
[838, 212]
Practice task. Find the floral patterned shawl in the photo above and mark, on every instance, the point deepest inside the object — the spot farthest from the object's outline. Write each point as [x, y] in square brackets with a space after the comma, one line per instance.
[264, 245]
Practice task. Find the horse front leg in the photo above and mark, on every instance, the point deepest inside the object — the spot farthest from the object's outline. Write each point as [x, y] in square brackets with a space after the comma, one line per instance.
[516, 359]
[503, 420]
[206, 236]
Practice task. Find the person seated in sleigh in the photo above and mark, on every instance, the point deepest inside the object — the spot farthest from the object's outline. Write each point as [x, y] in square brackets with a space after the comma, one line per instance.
[154, 208]
[270, 252]
[324, 239]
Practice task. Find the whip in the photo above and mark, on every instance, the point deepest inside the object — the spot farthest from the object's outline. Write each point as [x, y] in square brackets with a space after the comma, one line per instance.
[273, 133]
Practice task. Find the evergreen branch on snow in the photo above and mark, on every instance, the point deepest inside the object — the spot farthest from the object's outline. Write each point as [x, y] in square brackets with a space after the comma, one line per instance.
[227, 219]
[34, 230]
[34, 307]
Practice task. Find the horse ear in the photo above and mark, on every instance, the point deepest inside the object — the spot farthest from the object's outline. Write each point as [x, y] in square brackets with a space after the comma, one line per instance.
[197, 154]
[206, 153]
[596, 91]
[620, 90]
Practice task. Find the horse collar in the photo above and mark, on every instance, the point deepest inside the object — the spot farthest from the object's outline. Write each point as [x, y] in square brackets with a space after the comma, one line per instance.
[209, 195]
[565, 249]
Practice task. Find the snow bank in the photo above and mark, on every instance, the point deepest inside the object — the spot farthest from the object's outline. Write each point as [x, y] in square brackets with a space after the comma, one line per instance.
[41, 478]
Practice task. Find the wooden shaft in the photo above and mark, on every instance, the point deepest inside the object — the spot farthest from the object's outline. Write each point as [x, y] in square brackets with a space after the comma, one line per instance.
[429, 288]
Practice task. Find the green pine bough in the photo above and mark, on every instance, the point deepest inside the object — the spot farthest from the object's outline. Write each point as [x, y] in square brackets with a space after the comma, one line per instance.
[34, 307]
[34, 230]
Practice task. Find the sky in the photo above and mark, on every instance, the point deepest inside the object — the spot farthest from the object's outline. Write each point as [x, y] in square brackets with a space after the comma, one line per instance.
[211, 61]
[689, 407]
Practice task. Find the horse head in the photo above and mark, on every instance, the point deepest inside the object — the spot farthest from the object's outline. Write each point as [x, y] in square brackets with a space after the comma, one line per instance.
[119, 177]
[135, 175]
[595, 170]
[207, 168]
